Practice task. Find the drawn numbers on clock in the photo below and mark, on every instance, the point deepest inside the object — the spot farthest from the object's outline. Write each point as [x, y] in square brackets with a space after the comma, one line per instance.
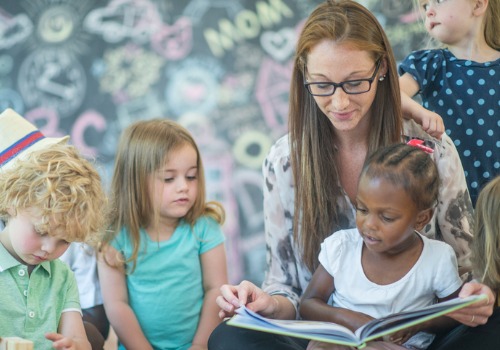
[52, 78]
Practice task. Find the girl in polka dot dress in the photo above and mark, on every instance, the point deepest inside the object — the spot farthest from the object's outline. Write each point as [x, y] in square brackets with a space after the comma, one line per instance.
[459, 83]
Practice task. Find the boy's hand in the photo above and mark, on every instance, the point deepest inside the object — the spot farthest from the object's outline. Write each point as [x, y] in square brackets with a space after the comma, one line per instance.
[60, 342]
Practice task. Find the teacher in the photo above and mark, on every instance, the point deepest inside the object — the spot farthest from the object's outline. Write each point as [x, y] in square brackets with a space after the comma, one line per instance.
[344, 103]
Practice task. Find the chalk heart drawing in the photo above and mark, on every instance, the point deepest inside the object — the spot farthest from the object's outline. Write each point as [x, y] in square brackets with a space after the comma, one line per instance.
[174, 42]
[279, 45]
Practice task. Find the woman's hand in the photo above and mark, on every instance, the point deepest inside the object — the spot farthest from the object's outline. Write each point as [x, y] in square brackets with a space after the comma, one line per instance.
[478, 313]
[245, 293]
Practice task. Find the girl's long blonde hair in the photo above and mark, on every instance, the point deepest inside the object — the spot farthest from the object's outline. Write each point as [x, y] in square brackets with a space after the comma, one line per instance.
[486, 242]
[492, 24]
[143, 149]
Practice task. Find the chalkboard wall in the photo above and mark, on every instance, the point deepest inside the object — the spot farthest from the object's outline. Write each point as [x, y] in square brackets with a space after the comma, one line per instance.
[88, 68]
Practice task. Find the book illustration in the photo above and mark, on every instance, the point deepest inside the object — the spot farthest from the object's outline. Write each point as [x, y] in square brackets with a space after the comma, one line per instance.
[334, 333]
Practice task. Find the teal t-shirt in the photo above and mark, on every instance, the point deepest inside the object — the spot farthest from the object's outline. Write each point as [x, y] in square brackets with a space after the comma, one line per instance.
[31, 306]
[165, 290]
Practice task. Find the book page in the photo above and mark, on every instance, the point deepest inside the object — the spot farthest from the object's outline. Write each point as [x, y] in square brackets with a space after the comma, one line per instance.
[299, 325]
[338, 334]
[395, 322]
[318, 330]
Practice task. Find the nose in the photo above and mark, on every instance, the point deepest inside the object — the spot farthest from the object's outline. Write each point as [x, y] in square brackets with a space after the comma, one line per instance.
[369, 223]
[182, 185]
[340, 100]
[49, 244]
[430, 11]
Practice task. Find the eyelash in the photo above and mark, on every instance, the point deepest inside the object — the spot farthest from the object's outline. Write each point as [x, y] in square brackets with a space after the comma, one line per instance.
[61, 241]
[190, 178]
[426, 4]
[364, 211]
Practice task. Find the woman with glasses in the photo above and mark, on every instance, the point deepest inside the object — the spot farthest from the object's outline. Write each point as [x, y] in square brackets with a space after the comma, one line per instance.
[344, 103]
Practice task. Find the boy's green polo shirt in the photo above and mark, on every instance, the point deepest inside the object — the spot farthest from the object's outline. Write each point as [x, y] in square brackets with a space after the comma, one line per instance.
[31, 306]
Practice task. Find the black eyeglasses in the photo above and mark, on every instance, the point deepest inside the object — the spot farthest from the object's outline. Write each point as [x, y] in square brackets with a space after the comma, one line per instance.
[351, 87]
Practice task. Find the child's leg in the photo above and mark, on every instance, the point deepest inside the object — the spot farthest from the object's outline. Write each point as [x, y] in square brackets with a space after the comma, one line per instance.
[97, 316]
[315, 345]
[374, 345]
[95, 338]
[225, 337]
[383, 345]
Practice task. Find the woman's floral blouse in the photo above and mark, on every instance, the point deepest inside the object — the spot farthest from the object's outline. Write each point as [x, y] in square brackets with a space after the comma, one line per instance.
[288, 276]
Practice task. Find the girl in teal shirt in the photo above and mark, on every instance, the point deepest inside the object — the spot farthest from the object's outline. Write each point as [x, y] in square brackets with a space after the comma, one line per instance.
[164, 259]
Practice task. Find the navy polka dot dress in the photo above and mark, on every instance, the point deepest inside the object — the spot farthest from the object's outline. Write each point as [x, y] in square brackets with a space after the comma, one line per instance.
[466, 95]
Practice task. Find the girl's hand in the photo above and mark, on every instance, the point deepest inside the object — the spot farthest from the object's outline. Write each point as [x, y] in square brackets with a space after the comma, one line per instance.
[246, 293]
[478, 313]
[403, 335]
[60, 342]
[399, 338]
[431, 122]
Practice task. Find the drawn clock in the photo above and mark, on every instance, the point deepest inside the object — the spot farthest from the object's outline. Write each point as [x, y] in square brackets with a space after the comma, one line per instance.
[52, 78]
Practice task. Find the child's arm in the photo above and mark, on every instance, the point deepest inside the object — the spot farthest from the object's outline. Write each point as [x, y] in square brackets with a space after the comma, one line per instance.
[71, 333]
[214, 269]
[431, 122]
[115, 296]
[313, 305]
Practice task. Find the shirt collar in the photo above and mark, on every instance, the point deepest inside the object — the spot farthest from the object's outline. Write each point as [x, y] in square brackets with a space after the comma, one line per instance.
[7, 261]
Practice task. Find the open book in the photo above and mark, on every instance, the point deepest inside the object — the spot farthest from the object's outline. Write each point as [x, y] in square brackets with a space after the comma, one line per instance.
[333, 333]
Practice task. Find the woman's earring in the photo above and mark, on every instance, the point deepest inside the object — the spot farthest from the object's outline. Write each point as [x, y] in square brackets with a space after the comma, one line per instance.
[381, 78]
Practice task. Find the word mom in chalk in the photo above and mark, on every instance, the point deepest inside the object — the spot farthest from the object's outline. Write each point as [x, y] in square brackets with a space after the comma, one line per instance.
[247, 25]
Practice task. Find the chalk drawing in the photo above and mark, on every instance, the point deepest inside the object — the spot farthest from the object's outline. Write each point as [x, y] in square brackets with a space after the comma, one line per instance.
[174, 42]
[14, 29]
[124, 19]
[279, 44]
[52, 78]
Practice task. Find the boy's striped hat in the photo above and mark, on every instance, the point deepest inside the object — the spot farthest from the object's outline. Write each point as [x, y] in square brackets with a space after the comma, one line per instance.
[18, 137]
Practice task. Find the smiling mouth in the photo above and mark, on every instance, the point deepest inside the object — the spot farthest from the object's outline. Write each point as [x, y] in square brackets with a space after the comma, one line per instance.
[342, 115]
